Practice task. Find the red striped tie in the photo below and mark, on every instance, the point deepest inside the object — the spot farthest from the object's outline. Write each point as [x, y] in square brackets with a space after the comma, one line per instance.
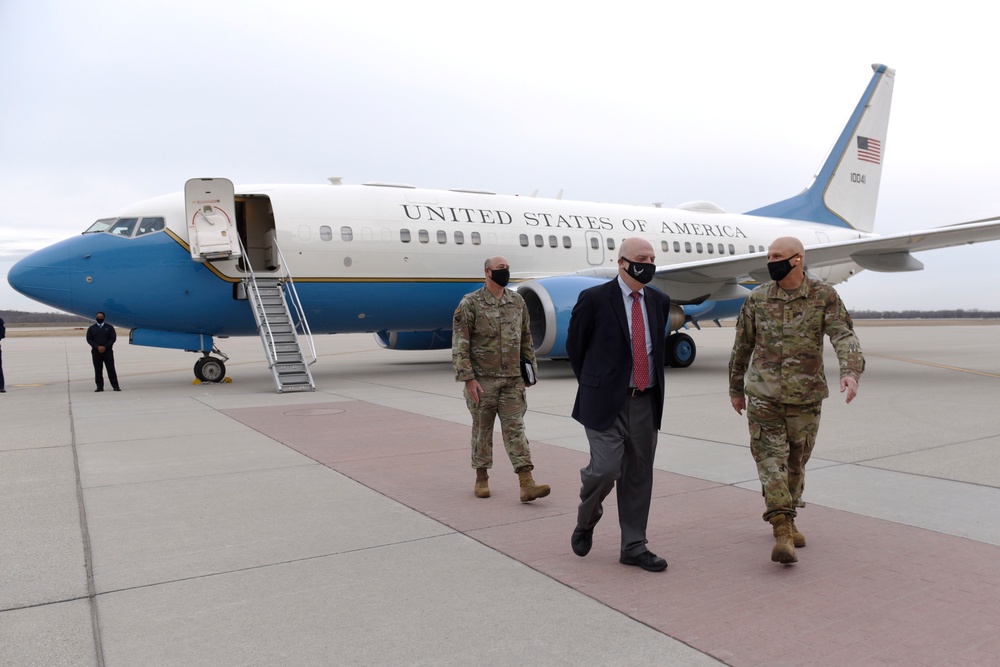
[640, 363]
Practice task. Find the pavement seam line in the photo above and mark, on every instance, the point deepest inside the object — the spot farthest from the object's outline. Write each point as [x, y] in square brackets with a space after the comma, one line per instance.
[88, 559]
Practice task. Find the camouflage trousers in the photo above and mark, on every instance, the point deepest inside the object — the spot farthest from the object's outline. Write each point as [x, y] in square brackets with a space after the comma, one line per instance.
[503, 397]
[782, 438]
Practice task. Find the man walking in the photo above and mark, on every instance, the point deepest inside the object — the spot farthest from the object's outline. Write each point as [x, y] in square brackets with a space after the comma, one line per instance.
[490, 338]
[781, 328]
[616, 347]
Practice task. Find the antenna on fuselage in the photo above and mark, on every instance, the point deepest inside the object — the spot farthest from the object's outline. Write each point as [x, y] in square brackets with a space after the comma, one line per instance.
[335, 180]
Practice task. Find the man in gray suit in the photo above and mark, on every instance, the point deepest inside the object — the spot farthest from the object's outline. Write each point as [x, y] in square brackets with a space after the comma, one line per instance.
[616, 343]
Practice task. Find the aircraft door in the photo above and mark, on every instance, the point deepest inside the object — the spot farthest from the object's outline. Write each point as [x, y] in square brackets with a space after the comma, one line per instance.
[595, 247]
[211, 214]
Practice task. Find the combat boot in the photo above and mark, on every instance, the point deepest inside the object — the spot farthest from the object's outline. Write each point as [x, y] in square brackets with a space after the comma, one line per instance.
[482, 489]
[783, 550]
[798, 539]
[530, 490]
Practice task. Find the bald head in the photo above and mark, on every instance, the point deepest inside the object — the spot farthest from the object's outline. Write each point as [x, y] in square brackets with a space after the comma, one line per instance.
[785, 247]
[496, 262]
[633, 246]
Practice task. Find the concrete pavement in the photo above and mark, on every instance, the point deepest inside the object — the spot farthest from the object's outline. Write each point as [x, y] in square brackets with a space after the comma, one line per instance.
[225, 524]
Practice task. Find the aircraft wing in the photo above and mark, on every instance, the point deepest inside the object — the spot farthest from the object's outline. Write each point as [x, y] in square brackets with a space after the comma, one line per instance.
[721, 278]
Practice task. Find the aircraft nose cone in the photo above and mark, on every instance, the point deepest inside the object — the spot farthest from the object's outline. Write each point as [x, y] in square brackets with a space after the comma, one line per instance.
[44, 276]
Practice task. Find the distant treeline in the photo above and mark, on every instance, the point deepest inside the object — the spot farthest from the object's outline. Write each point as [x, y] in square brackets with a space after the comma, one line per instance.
[15, 317]
[925, 314]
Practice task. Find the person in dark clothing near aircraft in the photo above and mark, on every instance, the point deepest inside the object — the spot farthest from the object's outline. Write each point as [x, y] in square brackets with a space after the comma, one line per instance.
[101, 338]
[3, 333]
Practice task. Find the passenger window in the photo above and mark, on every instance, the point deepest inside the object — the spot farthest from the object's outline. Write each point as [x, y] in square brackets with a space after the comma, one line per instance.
[442, 236]
[459, 238]
[553, 242]
[698, 248]
[476, 238]
[665, 246]
[710, 248]
[732, 249]
[346, 234]
[404, 235]
[567, 242]
[611, 244]
[594, 243]
[325, 233]
[150, 225]
[123, 226]
[752, 250]
[539, 241]
[523, 238]
[677, 246]
[423, 236]
[687, 246]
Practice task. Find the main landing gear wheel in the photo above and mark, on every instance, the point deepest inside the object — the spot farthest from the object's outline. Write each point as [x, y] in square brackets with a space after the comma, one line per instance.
[680, 350]
[210, 369]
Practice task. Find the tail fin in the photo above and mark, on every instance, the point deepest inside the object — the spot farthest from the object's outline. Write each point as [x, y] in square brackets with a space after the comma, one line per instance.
[845, 191]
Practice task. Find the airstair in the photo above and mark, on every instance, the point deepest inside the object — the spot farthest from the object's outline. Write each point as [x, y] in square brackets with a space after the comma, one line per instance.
[282, 326]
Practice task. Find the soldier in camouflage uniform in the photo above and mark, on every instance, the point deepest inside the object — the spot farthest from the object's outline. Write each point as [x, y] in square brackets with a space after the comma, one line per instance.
[781, 327]
[490, 337]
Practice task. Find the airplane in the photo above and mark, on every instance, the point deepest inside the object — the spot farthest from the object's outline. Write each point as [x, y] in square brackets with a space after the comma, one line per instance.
[182, 270]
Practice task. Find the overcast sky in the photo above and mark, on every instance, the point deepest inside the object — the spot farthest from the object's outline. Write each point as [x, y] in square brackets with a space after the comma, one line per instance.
[108, 102]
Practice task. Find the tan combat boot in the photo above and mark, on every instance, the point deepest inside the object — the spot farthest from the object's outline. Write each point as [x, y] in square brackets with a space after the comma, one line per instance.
[482, 489]
[783, 550]
[798, 539]
[530, 490]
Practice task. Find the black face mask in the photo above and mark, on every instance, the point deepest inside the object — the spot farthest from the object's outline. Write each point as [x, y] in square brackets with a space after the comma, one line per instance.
[641, 271]
[500, 276]
[100, 320]
[780, 268]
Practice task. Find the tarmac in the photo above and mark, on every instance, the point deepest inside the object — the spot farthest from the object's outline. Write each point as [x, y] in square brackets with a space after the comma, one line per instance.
[190, 524]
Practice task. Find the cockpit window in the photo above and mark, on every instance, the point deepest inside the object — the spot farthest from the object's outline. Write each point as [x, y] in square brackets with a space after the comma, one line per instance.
[99, 226]
[123, 226]
[149, 225]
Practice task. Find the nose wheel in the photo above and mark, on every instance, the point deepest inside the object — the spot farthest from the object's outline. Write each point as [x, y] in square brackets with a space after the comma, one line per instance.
[211, 369]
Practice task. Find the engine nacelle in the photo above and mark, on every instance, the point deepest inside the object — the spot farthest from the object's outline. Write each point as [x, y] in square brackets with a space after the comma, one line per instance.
[550, 303]
[414, 340]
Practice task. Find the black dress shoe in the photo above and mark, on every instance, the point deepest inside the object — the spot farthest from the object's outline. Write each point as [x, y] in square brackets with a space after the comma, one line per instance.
[647, 560]
[97, 390]
[582, 540]
[117, 388]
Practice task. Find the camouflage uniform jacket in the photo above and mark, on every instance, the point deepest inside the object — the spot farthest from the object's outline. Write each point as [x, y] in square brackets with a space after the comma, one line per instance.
[490, 336]
[784, 333]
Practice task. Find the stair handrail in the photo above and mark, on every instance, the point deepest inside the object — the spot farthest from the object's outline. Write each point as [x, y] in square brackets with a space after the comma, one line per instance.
[300, 314]
[253, 293]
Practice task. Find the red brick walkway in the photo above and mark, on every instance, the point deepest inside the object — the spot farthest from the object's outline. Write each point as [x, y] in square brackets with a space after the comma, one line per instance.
[864, 592]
